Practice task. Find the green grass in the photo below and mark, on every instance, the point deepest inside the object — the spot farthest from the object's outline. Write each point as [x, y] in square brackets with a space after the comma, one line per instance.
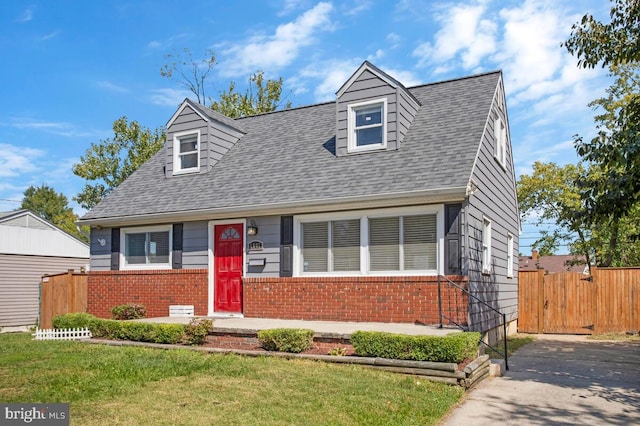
[615, 336]
[513, 344]
[133, 385]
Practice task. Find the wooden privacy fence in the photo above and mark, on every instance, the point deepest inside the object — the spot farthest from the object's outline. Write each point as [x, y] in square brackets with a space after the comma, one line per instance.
[62, 294]
[573, 303]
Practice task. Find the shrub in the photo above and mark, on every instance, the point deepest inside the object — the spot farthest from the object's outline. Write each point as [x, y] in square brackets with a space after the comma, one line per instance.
[128, 311]
[196, 332]
[338, 351]
[73, 320]
[454, 347]
[123, 330]
[293, 340]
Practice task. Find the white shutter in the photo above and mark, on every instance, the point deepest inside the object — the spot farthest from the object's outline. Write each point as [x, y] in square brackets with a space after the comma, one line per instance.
[384, 241]
[345, 241]
[420, 248]
[315, 243]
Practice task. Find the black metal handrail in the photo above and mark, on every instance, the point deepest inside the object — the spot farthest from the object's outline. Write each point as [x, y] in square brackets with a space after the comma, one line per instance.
[477, 299]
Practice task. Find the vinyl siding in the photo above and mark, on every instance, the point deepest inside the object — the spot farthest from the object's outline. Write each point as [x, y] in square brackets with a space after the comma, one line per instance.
[496, 200]
[26, 221]
[195, 245]
[20, 277]
[269, 235]
[100, 254]
[40, 242]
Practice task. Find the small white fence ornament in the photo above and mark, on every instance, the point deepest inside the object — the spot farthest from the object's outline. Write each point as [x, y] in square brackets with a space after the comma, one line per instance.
[62, 334]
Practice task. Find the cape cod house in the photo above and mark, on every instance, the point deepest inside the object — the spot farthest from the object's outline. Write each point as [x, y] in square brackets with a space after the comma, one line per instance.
[350, 210]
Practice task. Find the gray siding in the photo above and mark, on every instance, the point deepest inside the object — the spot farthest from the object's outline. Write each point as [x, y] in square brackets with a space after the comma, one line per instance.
[495, 199]
[100, 254]
[26, 221]
[269, 235]
[20, 284]
[401, 109]
[195, 245]
[188, 120]
[215, 138]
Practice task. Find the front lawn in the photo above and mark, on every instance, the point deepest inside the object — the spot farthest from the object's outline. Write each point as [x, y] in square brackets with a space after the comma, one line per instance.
[132, 385]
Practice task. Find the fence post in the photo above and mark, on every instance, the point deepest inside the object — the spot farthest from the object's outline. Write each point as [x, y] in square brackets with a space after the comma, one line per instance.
[504, 330]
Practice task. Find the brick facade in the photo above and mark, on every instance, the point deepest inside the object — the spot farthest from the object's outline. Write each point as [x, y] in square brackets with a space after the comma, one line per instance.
[375, 299]
[156, 290]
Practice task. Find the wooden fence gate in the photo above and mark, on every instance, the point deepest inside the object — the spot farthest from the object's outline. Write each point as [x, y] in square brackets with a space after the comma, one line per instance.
[61, 294]
[571, 303]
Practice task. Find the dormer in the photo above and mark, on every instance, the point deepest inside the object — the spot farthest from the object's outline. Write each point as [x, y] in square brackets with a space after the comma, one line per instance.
[197, 138]
[374, 112]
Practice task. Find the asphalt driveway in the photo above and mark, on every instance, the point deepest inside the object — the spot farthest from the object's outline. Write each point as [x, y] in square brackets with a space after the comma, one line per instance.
[559, 380]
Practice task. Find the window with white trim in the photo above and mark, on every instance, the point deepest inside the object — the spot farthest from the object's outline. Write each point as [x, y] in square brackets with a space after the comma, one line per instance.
[330, 246]
[186, 152]
[146, 247]
[486, 246]
[367, 126]
[509, 256]
[500, 135]
[369, 242]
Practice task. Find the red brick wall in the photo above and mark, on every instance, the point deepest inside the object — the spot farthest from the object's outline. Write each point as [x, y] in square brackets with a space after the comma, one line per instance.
[156, 290]
[376, 299]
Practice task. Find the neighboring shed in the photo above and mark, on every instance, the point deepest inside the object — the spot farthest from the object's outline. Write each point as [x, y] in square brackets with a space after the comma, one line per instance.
[29, 248]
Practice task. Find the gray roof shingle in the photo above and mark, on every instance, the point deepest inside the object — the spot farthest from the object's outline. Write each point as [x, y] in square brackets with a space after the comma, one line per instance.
[288, 157]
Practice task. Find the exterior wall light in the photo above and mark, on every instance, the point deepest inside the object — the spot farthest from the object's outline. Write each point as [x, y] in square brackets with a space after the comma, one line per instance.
[252, 229]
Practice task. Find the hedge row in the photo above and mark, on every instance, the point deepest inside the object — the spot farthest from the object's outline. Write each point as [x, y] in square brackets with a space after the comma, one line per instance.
[194, 333]
[293, 340]
[454, 347]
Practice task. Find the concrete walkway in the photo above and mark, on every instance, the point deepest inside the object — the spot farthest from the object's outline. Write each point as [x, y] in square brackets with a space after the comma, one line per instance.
[559, 380]
[328, 327]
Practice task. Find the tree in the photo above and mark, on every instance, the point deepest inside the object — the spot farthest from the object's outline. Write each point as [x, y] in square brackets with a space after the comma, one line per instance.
[45, 202]
[188, 72]
[550, 194]
[261, 96]
[613, 43]
[615, 151]
[106, 164]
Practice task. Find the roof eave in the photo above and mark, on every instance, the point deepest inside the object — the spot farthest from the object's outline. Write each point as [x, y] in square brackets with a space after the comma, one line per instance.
[431, 196]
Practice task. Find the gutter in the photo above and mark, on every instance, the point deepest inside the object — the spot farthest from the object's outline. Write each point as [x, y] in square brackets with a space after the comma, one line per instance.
[397, 199]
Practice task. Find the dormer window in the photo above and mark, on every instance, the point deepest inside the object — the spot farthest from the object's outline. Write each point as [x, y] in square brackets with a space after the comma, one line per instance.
[367, 126]
[186, 152]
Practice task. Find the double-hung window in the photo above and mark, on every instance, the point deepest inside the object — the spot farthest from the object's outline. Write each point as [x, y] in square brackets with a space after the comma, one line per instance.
[509, 256]
[146, 247]
[369, 242]
[186, 152]
[330, 246]
[500, 135]
[486, 246]
[367, 126]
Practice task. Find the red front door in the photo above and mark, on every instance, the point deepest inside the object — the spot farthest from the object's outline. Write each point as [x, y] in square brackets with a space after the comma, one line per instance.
[228, 268]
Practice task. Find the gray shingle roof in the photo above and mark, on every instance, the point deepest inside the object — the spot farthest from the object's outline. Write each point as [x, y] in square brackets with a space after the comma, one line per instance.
[288, 157]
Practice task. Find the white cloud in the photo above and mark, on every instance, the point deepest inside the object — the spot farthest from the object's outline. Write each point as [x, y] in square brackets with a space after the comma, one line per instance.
[16, 160]
[331, 74]
[280, 49]
[169, 97]
[112, 87]
[357, 8]
[464, 33]
[26, 16]
[53, 127]
[394, 39]
[166, 44]
[49, 36]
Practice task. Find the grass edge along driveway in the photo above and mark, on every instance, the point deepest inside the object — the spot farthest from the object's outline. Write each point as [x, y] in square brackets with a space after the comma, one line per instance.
[134, 385]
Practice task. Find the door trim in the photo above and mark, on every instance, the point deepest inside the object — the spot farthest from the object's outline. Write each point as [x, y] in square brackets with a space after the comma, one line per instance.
[211, 279]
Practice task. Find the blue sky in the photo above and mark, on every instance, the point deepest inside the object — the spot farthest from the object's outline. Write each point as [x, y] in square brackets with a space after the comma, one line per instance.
[70, 68]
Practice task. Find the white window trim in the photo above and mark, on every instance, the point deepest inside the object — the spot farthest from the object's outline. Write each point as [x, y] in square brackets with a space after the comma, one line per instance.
[486, 243]
[176, 152]
[509, 255]
[352, 146]
[211, 253]
[364, 216]
[138, 230]
[500, 136]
